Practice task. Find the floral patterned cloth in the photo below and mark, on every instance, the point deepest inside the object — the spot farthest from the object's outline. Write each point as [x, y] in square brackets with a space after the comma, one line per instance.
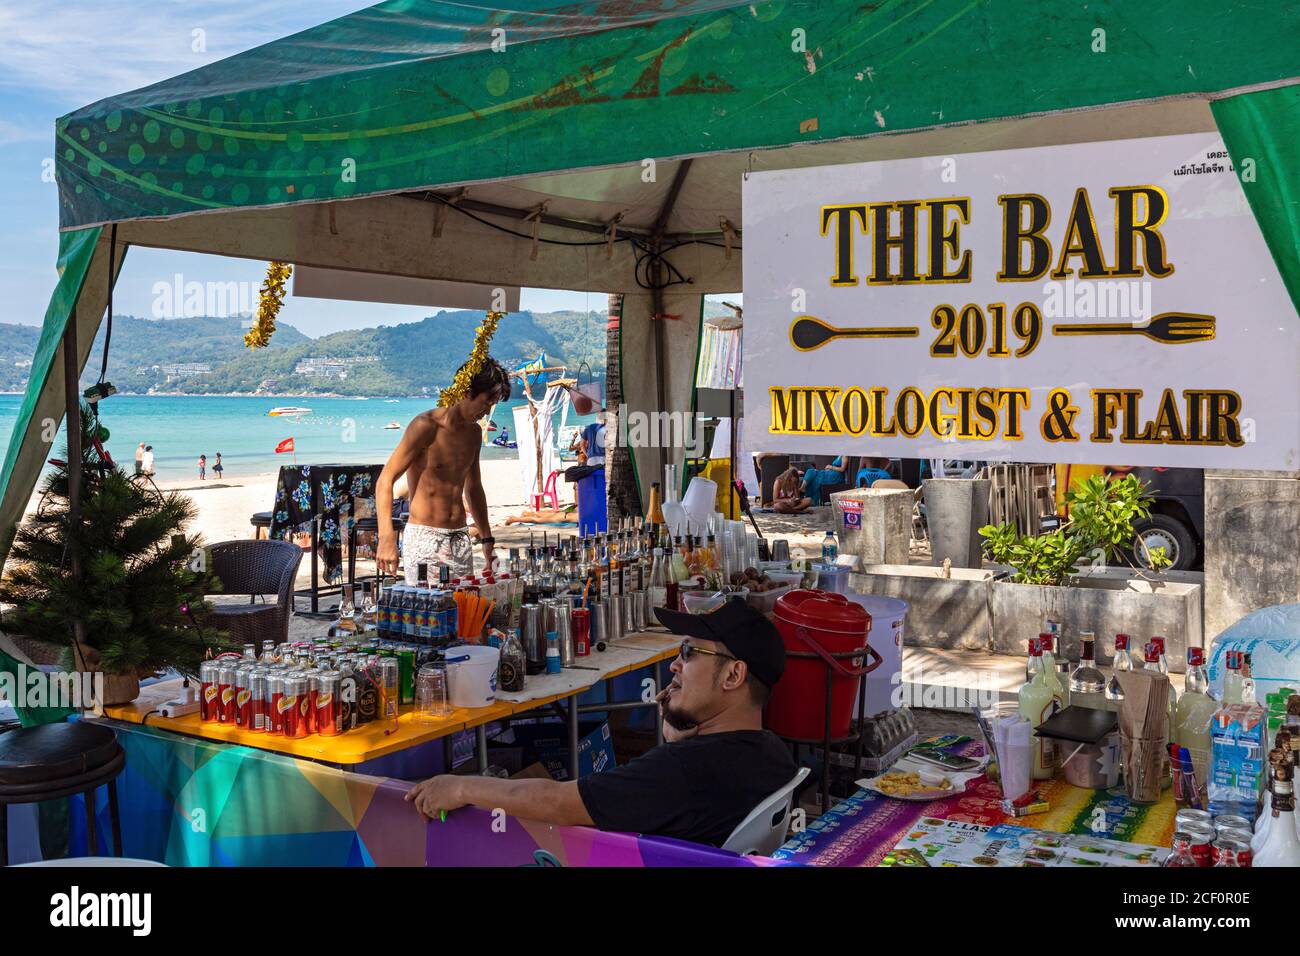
[339, 494]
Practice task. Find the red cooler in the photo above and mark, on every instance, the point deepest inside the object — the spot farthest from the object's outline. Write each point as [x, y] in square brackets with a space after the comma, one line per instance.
[821, 624]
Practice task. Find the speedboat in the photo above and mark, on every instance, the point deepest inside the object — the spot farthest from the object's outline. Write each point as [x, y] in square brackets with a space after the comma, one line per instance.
[289, 411]
[392, 425]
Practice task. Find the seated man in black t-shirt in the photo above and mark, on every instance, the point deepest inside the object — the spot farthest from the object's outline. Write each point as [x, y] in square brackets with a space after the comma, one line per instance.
[718, 762]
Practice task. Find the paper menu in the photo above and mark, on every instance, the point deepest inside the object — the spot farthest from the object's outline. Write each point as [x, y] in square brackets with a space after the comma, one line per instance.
[949, 843]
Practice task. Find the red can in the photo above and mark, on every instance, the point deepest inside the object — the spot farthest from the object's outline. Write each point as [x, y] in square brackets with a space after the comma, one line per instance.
[581, 619]
[275, 705]
[1202, 843]
[313, 688]
[209, 707]
[327, 704]
[226, 694]
[257, 705]
[243, 697]
[295, 706]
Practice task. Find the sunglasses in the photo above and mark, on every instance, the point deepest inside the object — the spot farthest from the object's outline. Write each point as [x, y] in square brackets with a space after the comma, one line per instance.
[687, 649]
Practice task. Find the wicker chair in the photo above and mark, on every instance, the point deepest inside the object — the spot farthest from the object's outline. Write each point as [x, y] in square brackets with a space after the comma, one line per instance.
[256, 568]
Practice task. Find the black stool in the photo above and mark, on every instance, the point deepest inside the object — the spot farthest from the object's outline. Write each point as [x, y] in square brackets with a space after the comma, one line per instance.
[261, 522]
[59, 760]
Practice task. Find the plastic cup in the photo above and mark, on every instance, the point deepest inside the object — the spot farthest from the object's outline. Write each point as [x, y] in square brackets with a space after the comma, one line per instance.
[431, 694]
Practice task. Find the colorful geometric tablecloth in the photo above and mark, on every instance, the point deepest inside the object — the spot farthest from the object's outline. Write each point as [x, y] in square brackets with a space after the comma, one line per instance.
[859, 831]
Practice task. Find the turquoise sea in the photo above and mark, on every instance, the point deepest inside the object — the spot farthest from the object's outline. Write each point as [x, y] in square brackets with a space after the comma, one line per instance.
[180, 428]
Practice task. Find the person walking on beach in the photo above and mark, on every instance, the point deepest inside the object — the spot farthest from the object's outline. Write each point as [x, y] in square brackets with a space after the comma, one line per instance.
[146, 461]
[203, 467]
[139, 459]
[216, 466]
[439, 455]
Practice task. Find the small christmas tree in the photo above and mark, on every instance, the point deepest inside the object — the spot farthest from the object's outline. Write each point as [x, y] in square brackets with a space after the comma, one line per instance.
[141, 602]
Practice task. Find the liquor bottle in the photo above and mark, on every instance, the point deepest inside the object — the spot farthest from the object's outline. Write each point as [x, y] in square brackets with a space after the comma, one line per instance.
[655, 512]
[1281, 845]
[532, 586]
[513, 664]
[1052, 674]
[1248, 695]
[1087, 683]
[1123, 662]
[1151, 654]
[347, 622]
[604, 571]
[1036, 704]
[1232, 679]
[369, 609]
[680, 573]
[1158, 643]
[659, 580]
[1193, 713]
[1181, 855]
[830, 550]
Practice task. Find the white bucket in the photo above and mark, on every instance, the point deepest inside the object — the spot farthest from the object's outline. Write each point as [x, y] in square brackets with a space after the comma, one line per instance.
[886, 638]
[700, 500]
[472, 675]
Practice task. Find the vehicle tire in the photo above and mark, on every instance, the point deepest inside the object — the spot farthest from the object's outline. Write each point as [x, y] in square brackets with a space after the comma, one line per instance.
[1172, 535]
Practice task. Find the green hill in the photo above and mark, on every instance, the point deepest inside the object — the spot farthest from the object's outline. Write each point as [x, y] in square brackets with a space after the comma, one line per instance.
[207, 355]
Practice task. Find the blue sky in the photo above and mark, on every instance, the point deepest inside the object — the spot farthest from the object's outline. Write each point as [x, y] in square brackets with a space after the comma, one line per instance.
[58, 55]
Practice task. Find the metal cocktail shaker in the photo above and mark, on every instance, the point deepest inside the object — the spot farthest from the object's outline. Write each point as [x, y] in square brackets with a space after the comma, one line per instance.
[559, 618]
[599, 620]
[533, 635]
[614, 617]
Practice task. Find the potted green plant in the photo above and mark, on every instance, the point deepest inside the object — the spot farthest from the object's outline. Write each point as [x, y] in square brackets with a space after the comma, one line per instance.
[141, 603]
[1099, 530]
[1082, 576]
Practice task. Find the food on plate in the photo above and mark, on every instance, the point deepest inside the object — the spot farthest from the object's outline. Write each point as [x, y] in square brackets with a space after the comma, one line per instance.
[896, 783]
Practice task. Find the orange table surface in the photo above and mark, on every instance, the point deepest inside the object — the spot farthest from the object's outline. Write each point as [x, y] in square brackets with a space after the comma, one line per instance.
[377, 738]
[366, 742]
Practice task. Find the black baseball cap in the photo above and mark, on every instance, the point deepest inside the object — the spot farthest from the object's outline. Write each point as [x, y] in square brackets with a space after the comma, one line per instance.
[744, 631]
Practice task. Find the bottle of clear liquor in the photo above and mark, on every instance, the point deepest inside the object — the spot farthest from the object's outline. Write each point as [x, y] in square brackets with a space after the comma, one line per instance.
[1123, 662]
[1087, 683]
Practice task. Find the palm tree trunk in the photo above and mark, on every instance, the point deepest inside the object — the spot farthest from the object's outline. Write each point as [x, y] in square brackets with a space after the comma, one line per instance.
[620, 480]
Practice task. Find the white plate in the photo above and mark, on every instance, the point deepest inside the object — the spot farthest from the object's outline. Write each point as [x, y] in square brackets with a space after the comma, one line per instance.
[920, 796]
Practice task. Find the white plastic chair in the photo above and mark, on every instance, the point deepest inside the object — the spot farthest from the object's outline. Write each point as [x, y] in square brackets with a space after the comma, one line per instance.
[765, 828]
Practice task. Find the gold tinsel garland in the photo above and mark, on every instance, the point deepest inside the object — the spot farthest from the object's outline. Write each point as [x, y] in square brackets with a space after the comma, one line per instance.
[272, 297]
[459, 386]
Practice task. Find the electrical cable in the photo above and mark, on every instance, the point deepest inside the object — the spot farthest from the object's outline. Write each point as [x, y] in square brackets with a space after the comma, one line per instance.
[112, 275]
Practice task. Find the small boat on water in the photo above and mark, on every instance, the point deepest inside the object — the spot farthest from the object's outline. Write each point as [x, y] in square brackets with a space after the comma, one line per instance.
[391, 401]
[392, 425]
[289, 411]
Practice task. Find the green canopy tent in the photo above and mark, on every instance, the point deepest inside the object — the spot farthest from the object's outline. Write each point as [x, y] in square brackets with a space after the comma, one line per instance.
[600, 146]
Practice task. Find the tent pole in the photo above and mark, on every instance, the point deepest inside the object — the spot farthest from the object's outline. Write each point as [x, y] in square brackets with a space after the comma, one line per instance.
[72, 398]
[657, 282]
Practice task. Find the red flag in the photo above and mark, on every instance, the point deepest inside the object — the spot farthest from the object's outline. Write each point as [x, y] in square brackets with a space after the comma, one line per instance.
[284, 446]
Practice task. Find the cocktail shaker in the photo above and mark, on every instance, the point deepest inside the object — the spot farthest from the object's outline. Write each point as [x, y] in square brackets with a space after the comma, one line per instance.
[533, 634]
[614, 617]
[558, 614]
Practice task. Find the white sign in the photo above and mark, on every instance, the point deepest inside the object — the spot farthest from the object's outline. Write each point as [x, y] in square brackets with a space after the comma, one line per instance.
[1097, 303]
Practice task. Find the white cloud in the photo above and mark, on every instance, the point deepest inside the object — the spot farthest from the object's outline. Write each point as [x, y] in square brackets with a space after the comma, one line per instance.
[14, 133]
[75, 52]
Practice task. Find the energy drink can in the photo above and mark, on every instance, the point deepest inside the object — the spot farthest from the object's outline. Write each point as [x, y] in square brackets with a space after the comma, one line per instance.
[405, 654]
[294, 705]
[329, 713]
[209, 692]
[347, 695]
[389, 679]
[243, 697]
[367, 690]
[275, 704]
[226, 693]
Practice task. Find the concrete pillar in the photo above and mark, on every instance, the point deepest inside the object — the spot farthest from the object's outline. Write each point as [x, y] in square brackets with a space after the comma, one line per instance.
[884, 534]
[1252, 524]
[955, 510]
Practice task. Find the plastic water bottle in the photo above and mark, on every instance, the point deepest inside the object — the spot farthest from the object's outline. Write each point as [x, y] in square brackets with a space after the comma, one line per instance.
[830, 550]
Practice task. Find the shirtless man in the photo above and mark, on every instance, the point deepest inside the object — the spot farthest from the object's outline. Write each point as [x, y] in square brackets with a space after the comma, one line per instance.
[438, 454]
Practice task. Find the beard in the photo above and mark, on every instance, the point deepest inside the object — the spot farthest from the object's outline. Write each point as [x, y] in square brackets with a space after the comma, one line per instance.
[679, 719]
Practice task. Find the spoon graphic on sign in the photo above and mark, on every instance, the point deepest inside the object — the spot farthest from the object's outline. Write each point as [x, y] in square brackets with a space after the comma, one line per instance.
[808, 332]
